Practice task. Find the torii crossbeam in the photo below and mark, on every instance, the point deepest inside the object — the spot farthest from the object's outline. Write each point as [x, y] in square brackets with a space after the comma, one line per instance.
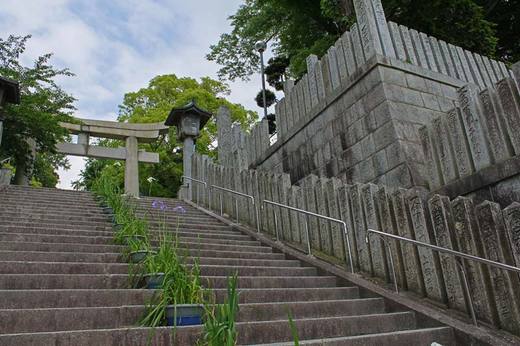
[131, 133]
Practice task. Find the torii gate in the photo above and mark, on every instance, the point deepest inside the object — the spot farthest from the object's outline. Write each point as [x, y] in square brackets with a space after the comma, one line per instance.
[131, 133]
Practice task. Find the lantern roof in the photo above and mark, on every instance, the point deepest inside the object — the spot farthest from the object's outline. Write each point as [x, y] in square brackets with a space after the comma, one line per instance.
[12, 90]
[177, 114]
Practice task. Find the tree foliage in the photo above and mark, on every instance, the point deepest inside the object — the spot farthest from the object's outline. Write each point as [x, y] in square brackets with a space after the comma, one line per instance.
[153, 104]
[298, 28]
[43, 104]
[275, 71]
[270, 98]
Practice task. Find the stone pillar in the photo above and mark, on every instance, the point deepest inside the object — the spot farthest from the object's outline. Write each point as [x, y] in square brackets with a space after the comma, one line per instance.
[373, 28]
[516, 72]
[132, 167]
[1, 128]
[24, 169]
[188, 150]
[1, 116]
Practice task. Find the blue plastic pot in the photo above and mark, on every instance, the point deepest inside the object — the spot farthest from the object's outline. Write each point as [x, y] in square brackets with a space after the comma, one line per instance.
[139, 256]
[133, 238]
[184, 314]
[154, 281]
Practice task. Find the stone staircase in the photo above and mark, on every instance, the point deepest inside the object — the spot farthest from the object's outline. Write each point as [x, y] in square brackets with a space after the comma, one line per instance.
[62, 281]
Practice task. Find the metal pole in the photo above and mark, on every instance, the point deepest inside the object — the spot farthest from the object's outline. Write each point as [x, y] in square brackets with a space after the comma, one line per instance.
[236, 208]
[462, 268]
[309, 251]
[257, 215]
[263, 82]
[276, 226]
[348, 250]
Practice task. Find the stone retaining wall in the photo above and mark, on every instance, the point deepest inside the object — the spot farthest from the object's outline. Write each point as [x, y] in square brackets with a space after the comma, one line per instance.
[473, 149]
[483, 229]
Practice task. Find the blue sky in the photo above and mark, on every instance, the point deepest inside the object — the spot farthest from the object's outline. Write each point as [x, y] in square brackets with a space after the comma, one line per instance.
[117, 46]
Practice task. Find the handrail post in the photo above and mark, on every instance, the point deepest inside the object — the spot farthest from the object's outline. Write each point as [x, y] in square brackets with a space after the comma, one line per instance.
[348, 249]
[257, 216]
[309, 250]
[276, 226]
[394, 275]
[236, 208]
[462, 268]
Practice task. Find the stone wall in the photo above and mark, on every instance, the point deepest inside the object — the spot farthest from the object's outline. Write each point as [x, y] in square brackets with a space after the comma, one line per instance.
[483, 229]
[356, 114]
[236, 148]
[474, 148]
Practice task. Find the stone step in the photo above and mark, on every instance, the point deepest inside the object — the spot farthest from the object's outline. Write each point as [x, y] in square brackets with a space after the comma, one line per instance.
[84, 226]
[274, 281]
[75, 257]
[244, 262]
[225, 270]
[109, 232]
[49, 209]
[31, 200]
[315, 309]
[59, 319]
[194, 225]
[63, 281]
[39, 256]
[90, 248]
[57, 197]
[41, 298]
[52, 190]
[13, 267]
[418, 337]
[117, 281]
[65, 319]
[46, 216]
[172, 218]
[162, 336]
[53, 238]
[314, 328]
[263, 295]
[58, 247]
[57, 231]
[62, 298]
[194, 243]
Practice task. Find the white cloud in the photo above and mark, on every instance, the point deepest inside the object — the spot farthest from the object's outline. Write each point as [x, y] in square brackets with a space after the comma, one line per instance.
[118, 46]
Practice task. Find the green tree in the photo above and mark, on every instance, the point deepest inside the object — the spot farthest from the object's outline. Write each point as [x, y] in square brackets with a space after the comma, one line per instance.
[43, 105]
[153, 104]
[298, 28]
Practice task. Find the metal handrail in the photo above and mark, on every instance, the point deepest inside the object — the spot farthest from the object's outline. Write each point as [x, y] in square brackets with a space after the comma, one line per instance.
[458, 255]
[196, 181]
[255, 205]
[345, 230]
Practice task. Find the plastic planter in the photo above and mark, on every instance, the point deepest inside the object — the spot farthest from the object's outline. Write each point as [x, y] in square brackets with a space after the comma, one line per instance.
[133, 238]
[154, 281]
[139, 256]
[184, 314]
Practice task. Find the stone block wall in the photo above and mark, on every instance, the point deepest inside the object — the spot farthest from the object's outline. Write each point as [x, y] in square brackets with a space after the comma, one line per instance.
[474, 148]
[484, 229]
[356, 114]
[236, 148]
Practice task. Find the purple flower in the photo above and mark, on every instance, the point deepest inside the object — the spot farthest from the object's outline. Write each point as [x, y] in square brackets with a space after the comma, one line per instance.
[179, 209]
[159, 205]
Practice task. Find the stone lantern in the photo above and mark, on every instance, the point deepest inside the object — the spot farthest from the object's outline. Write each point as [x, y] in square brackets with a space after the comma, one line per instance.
[9, 93]
[189, 120]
